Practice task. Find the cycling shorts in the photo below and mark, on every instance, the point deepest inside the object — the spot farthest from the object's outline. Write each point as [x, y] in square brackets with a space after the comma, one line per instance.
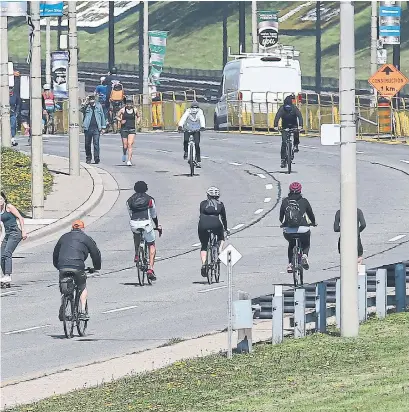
[79, 276]
[148, 231]
[204, 235]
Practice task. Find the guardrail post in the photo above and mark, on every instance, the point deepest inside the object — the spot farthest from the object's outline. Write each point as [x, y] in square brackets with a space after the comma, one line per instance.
[362, 296]
[277, 313]
[338, 302]
[381, 275]
[245, 335]
[321, 307]
[400, 287]
[299, 313]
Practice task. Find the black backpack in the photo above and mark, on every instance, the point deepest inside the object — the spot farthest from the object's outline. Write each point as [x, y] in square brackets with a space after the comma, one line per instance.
[139, 202]
[293, 215]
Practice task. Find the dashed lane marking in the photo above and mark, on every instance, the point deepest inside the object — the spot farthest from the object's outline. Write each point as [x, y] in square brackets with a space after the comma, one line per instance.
[212, 289]
[196, 244]
[13, 332]
[120, 309]
[258, 211]
[238, 226]
[261, 176]
[234, 164]
[405, 161]
[269, 186]
[267, 199]
[394, 239]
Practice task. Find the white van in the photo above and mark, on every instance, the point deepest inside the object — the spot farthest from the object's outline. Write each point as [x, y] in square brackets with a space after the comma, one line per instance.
[257, 83]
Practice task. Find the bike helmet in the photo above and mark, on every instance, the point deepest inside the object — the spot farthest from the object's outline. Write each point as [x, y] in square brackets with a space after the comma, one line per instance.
[295, 187]
[78, 224]
[194, 105]
[213, 191]
[46, 87]
[102, 79]
[140, 187]
[113, 70]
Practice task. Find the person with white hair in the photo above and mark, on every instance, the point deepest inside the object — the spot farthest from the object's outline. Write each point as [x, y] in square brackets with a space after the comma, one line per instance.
[101, 92]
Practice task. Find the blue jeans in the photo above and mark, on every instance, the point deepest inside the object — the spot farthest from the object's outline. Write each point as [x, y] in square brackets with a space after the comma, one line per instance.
[13, 124]
[92, 136]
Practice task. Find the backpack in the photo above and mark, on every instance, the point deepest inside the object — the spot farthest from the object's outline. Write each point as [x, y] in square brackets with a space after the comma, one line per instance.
[139, 202]
[117, 93]
[293, 215]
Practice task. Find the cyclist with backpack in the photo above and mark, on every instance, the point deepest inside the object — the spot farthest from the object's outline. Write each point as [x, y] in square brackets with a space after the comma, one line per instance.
[296, 217]
[101, 92]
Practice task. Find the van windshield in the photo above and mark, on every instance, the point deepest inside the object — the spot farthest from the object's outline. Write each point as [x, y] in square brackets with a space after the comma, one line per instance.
[270, 79]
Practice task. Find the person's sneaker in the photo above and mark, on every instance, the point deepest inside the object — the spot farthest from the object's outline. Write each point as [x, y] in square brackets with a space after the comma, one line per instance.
[203, 271]
[83, 316]
[97, 161]
[136, 259]
[296, 150]
[129, 163]
[185, 155]
[289, 268]
[283, 164]
[304, 262]
[61, 313]
[124, 158]
[198, 165]
[150, 274]
[88, 161]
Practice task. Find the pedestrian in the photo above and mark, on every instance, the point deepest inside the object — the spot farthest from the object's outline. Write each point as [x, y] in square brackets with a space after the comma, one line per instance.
[361, 225]
[101, 91]
[12, 237]
[129, 117]
[15, 104]
[94, 123]
[25, 116]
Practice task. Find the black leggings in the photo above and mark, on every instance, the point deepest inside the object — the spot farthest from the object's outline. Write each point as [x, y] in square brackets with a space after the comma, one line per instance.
[305, 239]
[196, 136]
[204, 236]
[284, 143]
[360, 247]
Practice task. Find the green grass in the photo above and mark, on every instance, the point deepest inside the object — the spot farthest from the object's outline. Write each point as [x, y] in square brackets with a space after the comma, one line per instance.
[318, 373]
[195, 36]
[16, 178]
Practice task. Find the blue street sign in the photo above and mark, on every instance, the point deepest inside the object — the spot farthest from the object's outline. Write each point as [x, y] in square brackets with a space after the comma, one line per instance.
[389, 31]
[390, 11]
[51, 8]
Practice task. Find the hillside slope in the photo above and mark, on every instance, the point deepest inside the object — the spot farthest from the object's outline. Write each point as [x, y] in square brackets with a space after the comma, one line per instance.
[195, 34]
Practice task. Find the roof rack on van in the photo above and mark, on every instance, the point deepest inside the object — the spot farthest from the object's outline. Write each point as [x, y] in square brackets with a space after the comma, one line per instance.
[279, 51]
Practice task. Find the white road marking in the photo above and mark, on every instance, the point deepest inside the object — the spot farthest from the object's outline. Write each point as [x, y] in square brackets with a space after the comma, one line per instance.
[212, 289]
[269, 186]
[238, 226]
[8, 293]
[258, 211]
[120, 309]
[267, 199]
[163, 151]
[196, 244]
[358, 152]
[405, 161]
[234, 164]
[261, 176]
[308, 147]
[26, 330]
[39, 221]
[396, 238]
[205, 157]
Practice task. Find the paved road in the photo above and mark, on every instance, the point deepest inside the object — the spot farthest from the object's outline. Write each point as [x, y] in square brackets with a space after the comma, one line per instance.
[128, 318]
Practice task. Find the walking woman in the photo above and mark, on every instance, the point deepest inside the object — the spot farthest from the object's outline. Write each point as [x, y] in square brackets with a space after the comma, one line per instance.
[12, 237]
[129, 117]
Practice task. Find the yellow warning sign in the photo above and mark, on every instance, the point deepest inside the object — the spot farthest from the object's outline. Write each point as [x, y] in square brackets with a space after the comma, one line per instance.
[388, 80]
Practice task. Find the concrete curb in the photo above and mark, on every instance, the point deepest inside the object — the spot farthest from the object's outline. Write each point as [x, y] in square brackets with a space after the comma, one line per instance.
[62, 223]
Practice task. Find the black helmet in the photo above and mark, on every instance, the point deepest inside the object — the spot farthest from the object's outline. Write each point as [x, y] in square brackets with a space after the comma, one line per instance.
[113, 70]
[194, 104]
[140, 187]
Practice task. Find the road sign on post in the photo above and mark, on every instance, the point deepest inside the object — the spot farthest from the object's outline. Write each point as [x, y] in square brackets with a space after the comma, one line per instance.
[388, 80]
[230, 256]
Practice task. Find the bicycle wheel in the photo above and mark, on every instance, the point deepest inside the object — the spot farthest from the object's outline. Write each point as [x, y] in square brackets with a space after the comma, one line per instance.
[68, 316]
[296, 266]
[146, 263]
[209, 264]
[81, 324]
[191, 162]
[289, 156]
[140, 266]
[215, 263]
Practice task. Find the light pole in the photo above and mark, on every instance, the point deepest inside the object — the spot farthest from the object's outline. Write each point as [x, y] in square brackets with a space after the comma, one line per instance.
[254, 25]
[48, 52]
[374, 43]
[145, 54]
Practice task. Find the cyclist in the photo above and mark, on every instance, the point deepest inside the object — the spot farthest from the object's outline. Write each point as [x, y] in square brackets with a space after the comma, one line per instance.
[128, 117]
[142, 210]
[213, 218]
[290, 117]
[49, 105]
[70, 253]
[296, 216]
[192, 122]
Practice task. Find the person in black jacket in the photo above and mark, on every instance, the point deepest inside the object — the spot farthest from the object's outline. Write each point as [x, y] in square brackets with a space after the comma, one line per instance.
[213, 218]
[291, 118]
[361, 226]
[70, 254]
[294, 212]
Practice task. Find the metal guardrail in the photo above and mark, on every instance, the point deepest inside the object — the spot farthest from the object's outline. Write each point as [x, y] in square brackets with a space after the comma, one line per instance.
[315, 303]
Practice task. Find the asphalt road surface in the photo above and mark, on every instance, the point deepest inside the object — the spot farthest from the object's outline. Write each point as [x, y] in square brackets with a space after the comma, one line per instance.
[125, 317]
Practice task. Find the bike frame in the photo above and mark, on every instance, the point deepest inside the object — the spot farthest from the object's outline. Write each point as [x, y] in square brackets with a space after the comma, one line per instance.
[191, 147]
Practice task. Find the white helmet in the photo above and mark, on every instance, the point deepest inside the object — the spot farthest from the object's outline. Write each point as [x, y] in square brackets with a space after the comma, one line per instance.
[213, 191]
[102, 79]
[46, 87]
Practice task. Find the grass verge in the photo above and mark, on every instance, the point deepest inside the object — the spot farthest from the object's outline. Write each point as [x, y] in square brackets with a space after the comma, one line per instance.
[318, 373]
[16, 178]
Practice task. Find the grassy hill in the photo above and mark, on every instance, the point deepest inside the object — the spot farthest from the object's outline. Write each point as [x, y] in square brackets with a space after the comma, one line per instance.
[195, 35]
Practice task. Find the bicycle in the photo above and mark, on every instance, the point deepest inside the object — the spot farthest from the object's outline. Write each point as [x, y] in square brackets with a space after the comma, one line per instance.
[296, 263]
[142, 264]
[49, 126]
[212, 267]
[70, 303]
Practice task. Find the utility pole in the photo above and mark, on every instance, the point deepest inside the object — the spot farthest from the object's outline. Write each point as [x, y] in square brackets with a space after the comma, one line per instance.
[349, 239]
[59, 29]
[242, 26]
[111, 35]
[254, 25]
[48, 52]
[225, 15]
[318, 56]
[37, 178]
[141, 40]
[4, 84]
[73, 95]
[145, 54]
[374, 44]
[396, 59]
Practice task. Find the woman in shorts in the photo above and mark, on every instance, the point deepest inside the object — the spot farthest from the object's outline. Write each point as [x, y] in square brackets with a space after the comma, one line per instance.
[129, 118]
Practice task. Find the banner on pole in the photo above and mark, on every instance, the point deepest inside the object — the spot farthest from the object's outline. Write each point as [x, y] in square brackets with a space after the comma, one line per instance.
[13, 8]
[389, 23]
[267, 22]
[59, 70]
[51, 8]
[157, 51]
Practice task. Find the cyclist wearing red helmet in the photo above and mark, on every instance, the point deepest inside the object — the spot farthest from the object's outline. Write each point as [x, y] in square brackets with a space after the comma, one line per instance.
[296, 217]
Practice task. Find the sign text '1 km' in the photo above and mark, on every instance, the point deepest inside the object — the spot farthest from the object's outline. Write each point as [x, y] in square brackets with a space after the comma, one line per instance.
[388, 80]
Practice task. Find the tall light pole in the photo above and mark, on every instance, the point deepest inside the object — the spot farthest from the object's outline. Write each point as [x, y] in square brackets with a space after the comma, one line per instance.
[242, 26]
[224, 28]
[4, 84]
[254, 25]
[349, 238]
[318, 47]
[111, 34]
[145, 54]
[374, 43]
[140, 43]
[48, 51]
[37, 178]
[73, 95]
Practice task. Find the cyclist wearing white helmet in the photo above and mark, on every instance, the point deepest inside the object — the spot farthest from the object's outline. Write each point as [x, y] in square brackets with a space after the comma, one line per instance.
[213, 218]
[49, 105]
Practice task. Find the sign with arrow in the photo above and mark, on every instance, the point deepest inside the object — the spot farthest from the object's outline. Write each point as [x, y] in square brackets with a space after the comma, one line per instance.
[388, 80]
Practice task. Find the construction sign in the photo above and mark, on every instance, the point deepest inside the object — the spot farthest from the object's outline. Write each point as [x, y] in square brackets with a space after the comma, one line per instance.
[388, 80]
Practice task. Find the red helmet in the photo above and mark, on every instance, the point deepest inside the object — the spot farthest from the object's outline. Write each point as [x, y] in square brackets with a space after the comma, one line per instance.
[295, 187]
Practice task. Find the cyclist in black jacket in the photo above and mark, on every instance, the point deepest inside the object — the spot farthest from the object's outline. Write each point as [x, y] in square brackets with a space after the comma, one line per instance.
[291, 118]
[70, 254]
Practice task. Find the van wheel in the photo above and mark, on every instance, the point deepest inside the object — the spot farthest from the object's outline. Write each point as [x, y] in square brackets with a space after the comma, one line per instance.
[216, 124]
